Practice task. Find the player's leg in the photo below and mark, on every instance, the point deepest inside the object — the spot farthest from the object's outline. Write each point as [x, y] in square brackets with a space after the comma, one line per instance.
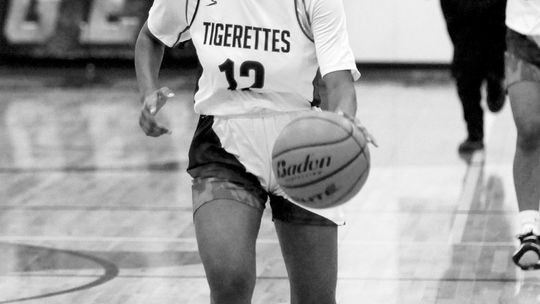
[226, 232]
[310, 254]
[227, 204]
[525, 103]
[227, 218]
[524, 94]
[309, 247]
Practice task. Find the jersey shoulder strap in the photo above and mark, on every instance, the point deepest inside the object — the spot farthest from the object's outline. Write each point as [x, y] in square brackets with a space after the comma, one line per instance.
[304, 20]
[190, 11]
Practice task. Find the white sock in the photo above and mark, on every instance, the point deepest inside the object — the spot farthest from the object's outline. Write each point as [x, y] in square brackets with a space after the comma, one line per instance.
[528, 221]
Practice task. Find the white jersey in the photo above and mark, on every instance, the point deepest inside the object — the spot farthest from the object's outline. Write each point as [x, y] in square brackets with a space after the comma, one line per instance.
[257, 55]
[523, 16]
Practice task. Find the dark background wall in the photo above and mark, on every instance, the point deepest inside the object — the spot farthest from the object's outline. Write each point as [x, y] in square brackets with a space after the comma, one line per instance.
[74, 29]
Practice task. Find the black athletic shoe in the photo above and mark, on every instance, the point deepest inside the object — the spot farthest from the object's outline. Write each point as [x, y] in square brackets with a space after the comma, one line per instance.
[469, 146]
[527, 256]
[495, 96]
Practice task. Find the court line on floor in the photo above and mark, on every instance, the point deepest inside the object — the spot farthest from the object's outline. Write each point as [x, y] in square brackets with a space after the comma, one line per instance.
[97, 208]
[61, 207]
[473, 176]
[89, 239]
[110, 271]
[266, 277]
[465, 201]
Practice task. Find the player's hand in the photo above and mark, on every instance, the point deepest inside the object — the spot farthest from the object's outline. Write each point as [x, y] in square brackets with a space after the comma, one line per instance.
[152, 103]
[370, 139]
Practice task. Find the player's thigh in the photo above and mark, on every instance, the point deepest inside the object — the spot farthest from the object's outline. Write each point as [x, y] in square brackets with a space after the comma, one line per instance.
[310, 254]
[523, 86]
[525, 103]
[227, 214]
[226, 232]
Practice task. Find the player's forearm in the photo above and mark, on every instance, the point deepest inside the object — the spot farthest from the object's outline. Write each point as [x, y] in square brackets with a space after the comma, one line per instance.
[340, 92]
[148, 57]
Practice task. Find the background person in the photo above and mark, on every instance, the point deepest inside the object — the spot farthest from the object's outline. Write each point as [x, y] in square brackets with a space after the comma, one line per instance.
[477, 31]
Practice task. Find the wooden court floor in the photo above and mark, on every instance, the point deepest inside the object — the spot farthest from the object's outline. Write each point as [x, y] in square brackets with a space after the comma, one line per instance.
[92, 211]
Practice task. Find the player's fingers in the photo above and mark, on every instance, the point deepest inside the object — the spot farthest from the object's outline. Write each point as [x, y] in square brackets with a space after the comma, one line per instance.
[165, 91]
[163, 94]
[150, 103]
[156, 131]
[161, 130]
[145, 121]
[154, 101]
[149, 125]
[369, 137]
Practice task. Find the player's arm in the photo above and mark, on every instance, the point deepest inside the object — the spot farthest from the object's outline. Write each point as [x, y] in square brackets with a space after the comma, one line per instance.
[335, 57]
[148, 57]
[334, 54]
[341, 96]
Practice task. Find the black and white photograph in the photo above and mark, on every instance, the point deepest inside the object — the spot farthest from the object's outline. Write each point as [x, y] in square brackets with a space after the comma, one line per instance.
[269, 151]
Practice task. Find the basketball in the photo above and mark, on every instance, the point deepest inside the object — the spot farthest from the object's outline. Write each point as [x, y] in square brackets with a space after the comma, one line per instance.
[321, 160]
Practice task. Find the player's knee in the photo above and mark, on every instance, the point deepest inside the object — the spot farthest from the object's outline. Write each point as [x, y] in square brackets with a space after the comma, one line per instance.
[528, 136]
[229, 284]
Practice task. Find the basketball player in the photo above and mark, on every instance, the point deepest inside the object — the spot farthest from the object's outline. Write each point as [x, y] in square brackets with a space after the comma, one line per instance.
[260, 60]
[523, 82]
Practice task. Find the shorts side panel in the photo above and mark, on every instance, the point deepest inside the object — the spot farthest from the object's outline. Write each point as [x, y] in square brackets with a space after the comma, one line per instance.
[519, 70]
[288, 212]
[522, 59]
[523, 47]
[206, 190]
[208, 158]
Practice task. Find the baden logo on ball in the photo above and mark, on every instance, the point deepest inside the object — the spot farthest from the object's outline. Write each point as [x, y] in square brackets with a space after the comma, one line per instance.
[310, 166]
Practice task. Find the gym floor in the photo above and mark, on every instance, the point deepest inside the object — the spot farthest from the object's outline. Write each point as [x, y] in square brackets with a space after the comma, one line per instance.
[93, 211]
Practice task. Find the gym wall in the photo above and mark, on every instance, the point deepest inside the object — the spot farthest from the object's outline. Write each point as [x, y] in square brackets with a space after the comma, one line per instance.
[382, 31]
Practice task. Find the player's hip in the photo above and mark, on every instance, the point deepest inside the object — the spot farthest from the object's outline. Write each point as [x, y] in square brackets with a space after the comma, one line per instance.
[522, 60]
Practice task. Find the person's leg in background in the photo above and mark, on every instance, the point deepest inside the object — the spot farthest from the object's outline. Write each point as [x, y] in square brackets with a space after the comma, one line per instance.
[469, 85]
[494, 61]
[494, 48]
[496, 94]
[466, 68]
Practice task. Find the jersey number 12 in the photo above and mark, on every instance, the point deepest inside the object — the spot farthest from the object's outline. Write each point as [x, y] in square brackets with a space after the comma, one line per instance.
[228, 68]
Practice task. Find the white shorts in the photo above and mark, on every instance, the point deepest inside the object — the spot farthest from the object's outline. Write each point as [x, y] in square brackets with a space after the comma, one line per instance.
[247, 139]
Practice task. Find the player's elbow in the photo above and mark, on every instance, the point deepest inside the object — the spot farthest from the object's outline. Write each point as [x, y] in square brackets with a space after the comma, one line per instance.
[338, 80]
[146, 40]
